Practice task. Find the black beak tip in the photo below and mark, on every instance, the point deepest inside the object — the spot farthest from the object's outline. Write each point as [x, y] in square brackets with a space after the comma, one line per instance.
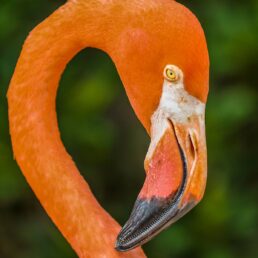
[120, 247]
[136, 231]
[125, 240]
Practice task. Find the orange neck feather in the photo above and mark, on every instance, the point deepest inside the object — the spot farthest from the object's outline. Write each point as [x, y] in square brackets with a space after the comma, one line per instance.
[36, 141]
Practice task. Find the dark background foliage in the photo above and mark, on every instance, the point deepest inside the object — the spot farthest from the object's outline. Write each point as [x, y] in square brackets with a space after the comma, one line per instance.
[108, 144]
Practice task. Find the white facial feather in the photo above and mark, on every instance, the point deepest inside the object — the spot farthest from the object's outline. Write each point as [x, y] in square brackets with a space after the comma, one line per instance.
[176, 105]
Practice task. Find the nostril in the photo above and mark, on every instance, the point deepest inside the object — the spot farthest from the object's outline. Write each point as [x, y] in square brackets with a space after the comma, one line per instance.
[192, 143]
[191, 146]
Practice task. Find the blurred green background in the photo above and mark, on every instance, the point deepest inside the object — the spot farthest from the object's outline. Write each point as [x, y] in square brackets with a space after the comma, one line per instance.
[108, 144]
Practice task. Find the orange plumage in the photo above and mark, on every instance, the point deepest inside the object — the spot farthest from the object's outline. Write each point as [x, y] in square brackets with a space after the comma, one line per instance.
[137, 36]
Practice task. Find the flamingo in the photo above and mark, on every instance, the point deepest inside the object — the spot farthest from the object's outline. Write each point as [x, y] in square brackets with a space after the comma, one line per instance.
[160, 52]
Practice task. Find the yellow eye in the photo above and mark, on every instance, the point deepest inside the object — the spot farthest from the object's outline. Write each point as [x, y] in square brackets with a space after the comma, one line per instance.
[171, 75]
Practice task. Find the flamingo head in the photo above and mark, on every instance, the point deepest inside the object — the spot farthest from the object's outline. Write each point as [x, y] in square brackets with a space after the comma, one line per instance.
[164, 65]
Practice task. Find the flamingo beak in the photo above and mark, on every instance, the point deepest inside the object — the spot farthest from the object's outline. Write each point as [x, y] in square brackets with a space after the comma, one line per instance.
[176, 172]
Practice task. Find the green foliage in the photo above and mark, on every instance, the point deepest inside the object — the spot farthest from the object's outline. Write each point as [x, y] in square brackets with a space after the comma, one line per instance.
[108, 144]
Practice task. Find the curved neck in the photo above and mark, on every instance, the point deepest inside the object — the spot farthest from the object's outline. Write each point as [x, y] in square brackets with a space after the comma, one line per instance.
[36, 141]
